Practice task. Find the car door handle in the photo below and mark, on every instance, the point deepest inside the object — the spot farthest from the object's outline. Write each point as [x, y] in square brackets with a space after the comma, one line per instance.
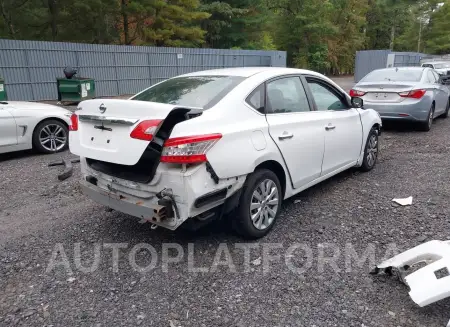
[285, 136]
[329, 127]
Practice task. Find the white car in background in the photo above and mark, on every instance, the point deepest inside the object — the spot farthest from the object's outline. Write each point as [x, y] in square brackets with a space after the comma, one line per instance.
[442, 67]
[26, 125]
[203, 144]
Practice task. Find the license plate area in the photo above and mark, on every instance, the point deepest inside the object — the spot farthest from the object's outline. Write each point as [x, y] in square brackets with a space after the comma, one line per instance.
[381, 96]
[103, 136]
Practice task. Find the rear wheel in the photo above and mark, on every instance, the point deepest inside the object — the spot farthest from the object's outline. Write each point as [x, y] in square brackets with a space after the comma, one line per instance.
[426, 125]
[259, 205]
[50, 136]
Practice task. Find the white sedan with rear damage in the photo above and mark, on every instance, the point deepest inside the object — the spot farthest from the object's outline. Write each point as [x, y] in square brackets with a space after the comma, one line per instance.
[198, 146]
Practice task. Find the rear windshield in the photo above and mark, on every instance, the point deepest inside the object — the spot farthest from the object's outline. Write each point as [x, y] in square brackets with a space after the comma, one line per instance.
[193, 91]
[394, 75]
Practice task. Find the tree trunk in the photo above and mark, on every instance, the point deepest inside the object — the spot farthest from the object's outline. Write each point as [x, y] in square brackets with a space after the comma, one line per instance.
[7, 19]
[53, 9]
[391, 45]
[126, 31]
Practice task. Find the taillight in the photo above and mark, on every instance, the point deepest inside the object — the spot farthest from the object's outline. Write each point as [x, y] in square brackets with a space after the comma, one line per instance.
[189, 149]
[415, 94]
[356, 93]
[73, 123]
[146, 129]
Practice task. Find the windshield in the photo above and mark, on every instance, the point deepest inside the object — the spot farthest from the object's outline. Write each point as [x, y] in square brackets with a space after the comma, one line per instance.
[394, 75]
[191, 91]
[440, 66]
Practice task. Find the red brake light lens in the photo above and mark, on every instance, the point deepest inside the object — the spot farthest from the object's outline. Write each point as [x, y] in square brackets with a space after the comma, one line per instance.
[189, 149]
[73, 123]
[415, 94]
[146, 129]
[356, 93]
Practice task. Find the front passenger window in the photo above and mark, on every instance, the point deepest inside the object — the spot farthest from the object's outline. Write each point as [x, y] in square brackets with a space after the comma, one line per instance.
[325, 98]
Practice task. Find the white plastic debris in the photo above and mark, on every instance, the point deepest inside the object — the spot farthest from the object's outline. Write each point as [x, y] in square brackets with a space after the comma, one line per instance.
[256, 262]
[404, 202]
[427, 284]
[70, 279]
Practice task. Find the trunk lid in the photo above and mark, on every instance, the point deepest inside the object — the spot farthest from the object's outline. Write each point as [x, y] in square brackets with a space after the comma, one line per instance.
[384, 92]
[105, 126]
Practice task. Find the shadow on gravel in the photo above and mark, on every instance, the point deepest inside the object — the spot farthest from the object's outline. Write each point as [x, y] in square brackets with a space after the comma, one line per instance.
[403, 126]
[17, 155]
[127, 229]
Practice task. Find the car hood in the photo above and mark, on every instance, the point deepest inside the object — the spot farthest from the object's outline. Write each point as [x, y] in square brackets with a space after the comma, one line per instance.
[37, 106]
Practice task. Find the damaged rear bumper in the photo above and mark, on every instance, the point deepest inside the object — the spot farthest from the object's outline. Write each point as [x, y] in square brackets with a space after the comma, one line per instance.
[427, 284]
[173, 196]
[151, 212]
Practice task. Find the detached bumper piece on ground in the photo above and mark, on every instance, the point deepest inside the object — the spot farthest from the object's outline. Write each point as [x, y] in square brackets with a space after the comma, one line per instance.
[68, 167]
[429, 283]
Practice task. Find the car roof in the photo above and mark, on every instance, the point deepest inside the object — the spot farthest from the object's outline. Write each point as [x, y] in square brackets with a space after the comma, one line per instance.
[250, 71]
[403, 68]
[435, 62]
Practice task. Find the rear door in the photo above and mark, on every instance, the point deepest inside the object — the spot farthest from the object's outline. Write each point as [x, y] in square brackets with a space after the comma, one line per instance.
[343, 129]
[297, 130]
[8, 128]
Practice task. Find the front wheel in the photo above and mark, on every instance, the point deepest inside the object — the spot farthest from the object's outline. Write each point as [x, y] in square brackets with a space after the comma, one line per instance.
[370, 151]
[259, 205]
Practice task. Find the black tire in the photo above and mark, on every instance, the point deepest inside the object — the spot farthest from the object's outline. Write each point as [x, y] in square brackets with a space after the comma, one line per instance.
[426, 125]
[56, 132]
[445, 114]
[242, 220]
[370, 150]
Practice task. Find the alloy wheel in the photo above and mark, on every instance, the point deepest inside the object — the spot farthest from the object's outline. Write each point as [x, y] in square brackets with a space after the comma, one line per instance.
[53, 137]
[372, 150]
[430, 118]
[264, 204]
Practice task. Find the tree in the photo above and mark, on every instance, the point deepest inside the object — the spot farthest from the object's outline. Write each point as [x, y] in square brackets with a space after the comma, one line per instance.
[437, 35]
[162, 22]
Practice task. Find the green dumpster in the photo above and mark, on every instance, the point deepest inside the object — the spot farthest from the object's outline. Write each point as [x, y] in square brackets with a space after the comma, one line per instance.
[3, 96]
[75, 89]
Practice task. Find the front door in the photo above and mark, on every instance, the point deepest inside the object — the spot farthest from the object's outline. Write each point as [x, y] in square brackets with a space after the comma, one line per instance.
[343, 129]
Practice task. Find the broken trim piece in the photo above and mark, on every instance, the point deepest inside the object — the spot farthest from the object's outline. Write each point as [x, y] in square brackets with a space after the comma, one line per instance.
[211, 171]
[427, 285]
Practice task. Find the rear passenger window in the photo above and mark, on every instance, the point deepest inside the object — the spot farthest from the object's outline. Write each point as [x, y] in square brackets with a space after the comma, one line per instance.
[256, 99]
[286, 95]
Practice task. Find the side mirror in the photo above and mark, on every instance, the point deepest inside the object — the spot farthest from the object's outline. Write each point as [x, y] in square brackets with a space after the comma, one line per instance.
[357, 102]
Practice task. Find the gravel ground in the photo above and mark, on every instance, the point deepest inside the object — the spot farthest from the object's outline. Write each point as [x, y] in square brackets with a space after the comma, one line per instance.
[37, 212]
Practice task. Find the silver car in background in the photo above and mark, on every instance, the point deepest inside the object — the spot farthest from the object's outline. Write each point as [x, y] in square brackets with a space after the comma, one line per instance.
[415, 94]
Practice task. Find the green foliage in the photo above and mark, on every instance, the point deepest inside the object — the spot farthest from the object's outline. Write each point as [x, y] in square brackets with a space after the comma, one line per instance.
[437, 35]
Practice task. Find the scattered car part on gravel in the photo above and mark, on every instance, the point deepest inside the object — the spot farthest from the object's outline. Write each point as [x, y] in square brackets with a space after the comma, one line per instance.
[68, 170]
[427, 284]
[404, 202]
